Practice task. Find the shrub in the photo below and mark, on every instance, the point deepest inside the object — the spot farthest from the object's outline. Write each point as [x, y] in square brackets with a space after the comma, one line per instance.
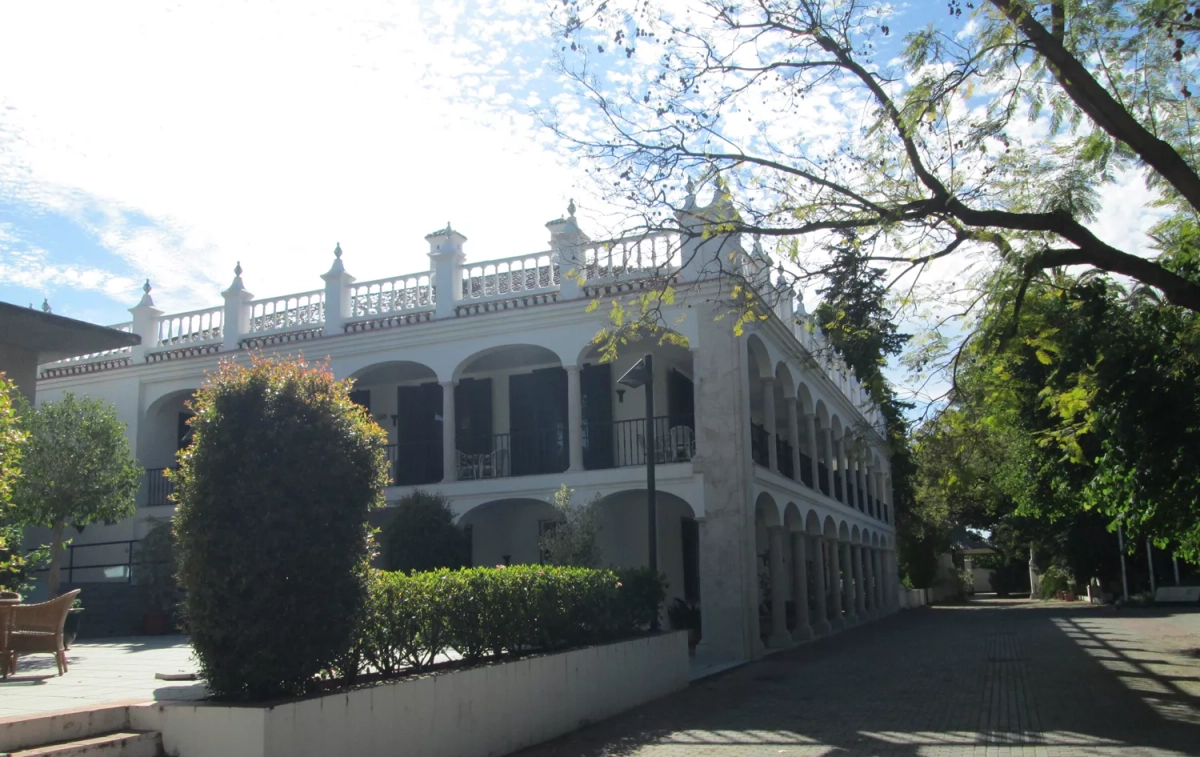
[574, 539]
[154, 572]
[1056, 578]
[413, 619]
[421, 535]
[272, 537]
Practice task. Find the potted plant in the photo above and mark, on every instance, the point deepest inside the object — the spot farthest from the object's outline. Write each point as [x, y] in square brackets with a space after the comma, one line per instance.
[71, 626]
[686, 616]
[154, 575]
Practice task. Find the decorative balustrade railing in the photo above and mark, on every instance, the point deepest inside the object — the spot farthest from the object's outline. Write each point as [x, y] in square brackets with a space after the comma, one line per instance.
[156, 489]
[759, 451]
[649, 255]
[383, 297]
[287, 313]
[623, 443]
[509, 276]
[195, 327]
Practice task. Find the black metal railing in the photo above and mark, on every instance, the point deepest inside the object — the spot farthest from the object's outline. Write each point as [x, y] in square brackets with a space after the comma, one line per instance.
[759, 452]
[823, 477]
[527, 453]
[862, 499]
[837, 489]
[806, 470]
[156, 489]
[100, 562]
[623, 443]
[783, 453]
[415, 463]
[871, 506]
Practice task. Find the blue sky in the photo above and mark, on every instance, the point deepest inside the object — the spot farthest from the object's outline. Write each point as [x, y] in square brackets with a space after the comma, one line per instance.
[146, 140]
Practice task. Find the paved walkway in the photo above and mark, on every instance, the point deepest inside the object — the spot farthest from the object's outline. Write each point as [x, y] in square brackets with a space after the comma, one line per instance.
[992, 678]
[109, 670]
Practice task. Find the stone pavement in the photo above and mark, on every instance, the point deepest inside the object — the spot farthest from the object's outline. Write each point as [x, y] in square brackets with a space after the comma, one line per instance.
[990, 678]
[103, 671]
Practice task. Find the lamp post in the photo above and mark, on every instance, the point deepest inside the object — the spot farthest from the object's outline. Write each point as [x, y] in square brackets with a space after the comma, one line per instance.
[642, 374]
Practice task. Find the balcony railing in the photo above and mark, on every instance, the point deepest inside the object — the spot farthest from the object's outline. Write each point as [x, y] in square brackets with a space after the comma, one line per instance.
[806, 470]
[758, 445]
[837, 489]
[823, 476]
[623, 443]
[415, 463]
[156, 489]
[783, 453]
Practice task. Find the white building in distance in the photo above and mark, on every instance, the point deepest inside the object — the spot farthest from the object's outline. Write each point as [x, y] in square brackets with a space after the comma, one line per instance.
[773, 494]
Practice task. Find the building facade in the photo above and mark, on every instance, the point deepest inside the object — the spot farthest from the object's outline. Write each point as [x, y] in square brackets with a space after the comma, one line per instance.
[773, 495]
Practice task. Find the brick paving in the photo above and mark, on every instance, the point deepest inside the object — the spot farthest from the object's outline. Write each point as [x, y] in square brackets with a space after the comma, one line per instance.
[990, 678]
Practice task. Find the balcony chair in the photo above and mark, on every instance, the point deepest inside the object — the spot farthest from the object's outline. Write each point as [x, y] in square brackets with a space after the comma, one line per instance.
[38, 629]
[683, 444]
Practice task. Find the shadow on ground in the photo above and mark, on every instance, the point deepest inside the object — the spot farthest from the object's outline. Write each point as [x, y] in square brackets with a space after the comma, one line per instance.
[1051, 678]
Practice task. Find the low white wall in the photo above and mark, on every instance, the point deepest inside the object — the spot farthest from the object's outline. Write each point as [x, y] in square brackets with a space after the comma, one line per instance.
[910, 598]
[488, 710]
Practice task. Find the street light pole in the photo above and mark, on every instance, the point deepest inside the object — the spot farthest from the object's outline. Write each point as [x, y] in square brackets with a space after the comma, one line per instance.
[642, 374]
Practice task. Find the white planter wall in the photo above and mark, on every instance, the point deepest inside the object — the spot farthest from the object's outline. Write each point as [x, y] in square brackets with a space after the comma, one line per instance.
[478, 712]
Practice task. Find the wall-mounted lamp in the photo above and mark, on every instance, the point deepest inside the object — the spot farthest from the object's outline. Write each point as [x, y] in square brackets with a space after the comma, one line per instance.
[620, 395]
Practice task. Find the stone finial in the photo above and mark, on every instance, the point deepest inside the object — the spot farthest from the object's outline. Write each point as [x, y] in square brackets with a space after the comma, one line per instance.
[237, 284]
[571, 208]
[146, 300]
[337, 251]
[337, 266]
[757, 249]
[46, 305]
[781, 280]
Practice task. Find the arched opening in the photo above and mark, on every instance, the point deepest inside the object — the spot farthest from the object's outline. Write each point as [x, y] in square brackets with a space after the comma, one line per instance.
[405, 398]
[164, 431]
[613, 415]
[510, 413]
[625, 541]
[787, 422]
[824, 449]
[772, 587]
[761, 381]
[507, 531]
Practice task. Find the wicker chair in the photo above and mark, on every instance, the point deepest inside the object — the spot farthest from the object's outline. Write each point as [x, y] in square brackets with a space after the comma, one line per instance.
[38, 629]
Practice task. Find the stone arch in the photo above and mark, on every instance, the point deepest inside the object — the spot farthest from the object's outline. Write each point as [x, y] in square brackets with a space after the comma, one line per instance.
[855, 535]
[843, 531]
[766, 507]
[784, 380]
[625, 542]
[161, 432]
[812, 523]
[507, 528]
[829, 528]
[506, 357]
[874, 540]
[792, 519]
[805, 397]
[759, 357]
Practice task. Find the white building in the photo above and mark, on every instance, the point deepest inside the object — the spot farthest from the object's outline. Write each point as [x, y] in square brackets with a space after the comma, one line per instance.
[505, 357]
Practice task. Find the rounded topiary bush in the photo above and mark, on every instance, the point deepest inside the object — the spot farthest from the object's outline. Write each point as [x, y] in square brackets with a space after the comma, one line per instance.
[274, 493]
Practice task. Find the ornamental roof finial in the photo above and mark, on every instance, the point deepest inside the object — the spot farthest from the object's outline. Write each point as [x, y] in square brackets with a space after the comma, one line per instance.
[337, 251]
[146, 302]
[237, 269]
[571, 208]
[146, 286]
[46, 305]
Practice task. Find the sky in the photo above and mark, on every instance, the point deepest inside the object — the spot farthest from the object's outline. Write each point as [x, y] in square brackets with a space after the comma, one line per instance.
[170, 141]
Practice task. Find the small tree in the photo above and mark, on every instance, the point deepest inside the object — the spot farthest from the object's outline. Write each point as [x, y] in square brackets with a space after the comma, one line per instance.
[422, 535]
[13, 566]
[271, 529]
[77, 469]
[574, 538]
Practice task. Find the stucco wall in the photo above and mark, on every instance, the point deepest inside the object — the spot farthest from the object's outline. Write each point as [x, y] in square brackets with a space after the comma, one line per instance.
[489, 710]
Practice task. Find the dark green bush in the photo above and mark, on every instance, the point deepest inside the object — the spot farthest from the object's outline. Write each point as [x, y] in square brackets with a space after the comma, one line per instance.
[488, 612]
[421, 535]
[274, 493]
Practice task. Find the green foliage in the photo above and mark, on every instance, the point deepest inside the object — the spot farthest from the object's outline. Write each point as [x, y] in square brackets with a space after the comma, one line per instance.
[271, 528]
[77, 469]
[414, 618]
[574, 539]
[421, 535]
[1055, 579]
[155, 567]
[14, 566]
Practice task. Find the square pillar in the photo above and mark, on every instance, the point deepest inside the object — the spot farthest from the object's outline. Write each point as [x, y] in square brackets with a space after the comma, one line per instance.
[768, 385]
[779, 637]
[803, 630]
[574, 419]
[449, 443]
[821, 622]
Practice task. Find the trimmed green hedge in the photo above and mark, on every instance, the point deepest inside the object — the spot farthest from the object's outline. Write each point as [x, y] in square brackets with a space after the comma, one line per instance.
[489, 612]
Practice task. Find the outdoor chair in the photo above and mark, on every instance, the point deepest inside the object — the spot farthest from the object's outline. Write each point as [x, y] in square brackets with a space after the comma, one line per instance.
[38, 629]
[683, 443]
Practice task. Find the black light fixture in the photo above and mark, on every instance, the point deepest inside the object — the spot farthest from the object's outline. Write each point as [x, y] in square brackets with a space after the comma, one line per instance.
[642, 374]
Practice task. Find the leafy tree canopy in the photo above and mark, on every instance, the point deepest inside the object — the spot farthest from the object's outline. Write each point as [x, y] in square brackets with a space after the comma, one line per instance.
[77, 469]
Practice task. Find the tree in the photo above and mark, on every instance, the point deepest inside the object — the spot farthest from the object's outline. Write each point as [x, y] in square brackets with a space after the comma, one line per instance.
[271, 528]
[421, 535]
[574, 538]
[77, 469]
[934, 155]
[13, 565]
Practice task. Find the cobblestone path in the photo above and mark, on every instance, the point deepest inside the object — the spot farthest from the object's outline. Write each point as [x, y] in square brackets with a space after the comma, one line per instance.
[991, 678]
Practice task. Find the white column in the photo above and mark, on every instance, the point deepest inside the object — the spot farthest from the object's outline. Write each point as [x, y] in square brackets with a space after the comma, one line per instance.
[145, 325]
[338, 301]
[236, 320]
[853, 584]
[574, 418]
[876, 582]
[827, 458]
[810, 422]
[848, 584]
[449, 447]
[860, 582]
[768, 384]
[794, 436]
[779, 633]
[822, 622]
[802, 630]
[840, 453]
[861, 473]
[835, 583]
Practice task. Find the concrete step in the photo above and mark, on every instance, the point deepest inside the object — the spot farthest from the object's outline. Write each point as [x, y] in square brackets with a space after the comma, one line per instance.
[117, 744]
[23, 733]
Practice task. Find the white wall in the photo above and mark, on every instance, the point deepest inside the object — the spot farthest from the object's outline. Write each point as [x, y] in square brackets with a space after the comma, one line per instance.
[478, 712]
[507, 527]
